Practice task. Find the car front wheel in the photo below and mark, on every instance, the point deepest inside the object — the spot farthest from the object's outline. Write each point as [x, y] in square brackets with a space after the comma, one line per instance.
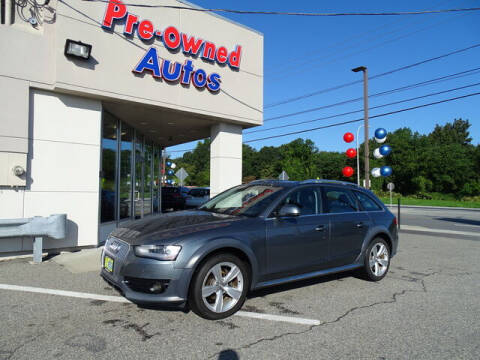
[377, 260]
[219, 287]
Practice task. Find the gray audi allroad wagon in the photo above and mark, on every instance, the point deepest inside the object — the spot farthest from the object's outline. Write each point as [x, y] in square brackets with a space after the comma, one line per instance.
[251, 236]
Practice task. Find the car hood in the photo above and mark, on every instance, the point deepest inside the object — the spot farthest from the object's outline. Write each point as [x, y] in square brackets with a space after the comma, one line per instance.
[170, 226]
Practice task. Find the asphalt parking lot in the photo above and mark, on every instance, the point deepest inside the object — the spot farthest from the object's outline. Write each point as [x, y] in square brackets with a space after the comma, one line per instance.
[427, 307]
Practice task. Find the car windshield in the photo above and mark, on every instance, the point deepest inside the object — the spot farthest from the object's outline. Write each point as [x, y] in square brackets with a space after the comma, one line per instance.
[250, 200]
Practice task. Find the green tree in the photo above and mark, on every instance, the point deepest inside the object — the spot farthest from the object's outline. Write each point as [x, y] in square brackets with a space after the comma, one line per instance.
[197, 164]
[298, 159]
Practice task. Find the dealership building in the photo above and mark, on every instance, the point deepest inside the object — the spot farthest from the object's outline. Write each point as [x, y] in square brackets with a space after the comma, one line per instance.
[90, 94]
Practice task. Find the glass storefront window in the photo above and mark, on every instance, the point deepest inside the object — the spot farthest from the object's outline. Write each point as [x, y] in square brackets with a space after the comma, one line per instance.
[126, 181]
[147, 184]
[109, 169]
[138, 198]
[156, 179]
[130, 174]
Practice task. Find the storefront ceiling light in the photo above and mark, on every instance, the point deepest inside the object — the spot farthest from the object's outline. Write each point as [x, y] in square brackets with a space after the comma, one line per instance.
[77, 49]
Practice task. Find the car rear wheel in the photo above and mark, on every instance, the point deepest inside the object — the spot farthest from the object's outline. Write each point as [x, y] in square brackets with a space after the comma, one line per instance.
[377, 260]
[219, 287]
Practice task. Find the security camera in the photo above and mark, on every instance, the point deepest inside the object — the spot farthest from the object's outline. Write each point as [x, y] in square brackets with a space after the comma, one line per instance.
[18, 170]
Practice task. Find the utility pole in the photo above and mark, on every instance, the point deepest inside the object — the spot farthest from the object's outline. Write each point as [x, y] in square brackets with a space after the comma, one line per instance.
[365, 121]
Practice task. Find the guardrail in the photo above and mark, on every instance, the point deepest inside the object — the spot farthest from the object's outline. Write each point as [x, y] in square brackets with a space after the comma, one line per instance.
[53, 226]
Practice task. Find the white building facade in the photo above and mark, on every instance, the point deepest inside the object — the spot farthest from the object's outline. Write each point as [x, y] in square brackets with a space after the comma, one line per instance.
[89, 130]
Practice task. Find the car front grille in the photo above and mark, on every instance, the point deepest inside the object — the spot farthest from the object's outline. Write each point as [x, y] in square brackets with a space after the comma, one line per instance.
[117, 247]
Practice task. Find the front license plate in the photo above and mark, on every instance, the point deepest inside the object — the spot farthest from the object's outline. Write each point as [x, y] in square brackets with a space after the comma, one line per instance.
[108, 263]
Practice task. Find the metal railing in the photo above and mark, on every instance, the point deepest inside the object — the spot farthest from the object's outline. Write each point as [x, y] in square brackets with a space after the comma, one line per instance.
[53, 226]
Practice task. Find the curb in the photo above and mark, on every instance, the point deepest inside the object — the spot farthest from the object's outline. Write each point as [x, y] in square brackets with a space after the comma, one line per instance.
[424, 230]
[433, 207]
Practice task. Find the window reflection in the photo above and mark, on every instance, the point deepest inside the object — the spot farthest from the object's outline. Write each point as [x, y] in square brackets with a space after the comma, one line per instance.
[108, 173]
[138, 176]
[130, 173]
[147, 185]
[126, 149]
[156, 178]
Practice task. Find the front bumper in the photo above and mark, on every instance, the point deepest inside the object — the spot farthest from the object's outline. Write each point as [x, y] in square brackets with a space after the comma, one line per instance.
[131, 273]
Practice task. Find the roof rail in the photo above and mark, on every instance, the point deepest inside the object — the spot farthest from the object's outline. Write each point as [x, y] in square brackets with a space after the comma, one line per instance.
[326, 181]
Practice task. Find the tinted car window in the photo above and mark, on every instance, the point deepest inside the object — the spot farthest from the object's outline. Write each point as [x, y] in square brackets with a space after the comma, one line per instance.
[170, 190]
[307, 199]
[338, 201]
[197, 192]
[368, 204]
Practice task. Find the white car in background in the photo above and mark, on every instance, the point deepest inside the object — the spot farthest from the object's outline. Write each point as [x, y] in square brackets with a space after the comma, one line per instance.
[196, 197]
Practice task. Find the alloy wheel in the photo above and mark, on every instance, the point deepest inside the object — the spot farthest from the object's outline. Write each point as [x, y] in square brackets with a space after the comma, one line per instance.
[222, 287]
[378, 259]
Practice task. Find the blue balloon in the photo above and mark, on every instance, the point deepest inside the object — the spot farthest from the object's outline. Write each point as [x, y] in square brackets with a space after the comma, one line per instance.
[169, 163]
[385, 150]
[170, 172]
[380, 133]
[386, 171]
[169, 181]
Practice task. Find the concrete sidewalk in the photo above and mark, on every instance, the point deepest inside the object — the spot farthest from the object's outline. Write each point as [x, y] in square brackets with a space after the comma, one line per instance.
[80, 261]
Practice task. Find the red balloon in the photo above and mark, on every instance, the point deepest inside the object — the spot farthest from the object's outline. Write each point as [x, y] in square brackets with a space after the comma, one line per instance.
[348, 137]
[347, 171]
[351, 153]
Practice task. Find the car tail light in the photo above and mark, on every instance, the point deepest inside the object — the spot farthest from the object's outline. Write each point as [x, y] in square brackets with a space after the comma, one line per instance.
[395, 220]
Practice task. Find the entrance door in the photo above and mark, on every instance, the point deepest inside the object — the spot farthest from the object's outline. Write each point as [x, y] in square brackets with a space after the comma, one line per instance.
[298, 244]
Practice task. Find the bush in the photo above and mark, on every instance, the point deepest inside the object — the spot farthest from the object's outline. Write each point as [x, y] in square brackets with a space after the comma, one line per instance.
[470, 189]
[422, 184]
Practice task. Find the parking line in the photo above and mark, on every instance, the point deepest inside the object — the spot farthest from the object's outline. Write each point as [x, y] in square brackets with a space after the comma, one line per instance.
[64, 293]
[119, 299]
[293, 320]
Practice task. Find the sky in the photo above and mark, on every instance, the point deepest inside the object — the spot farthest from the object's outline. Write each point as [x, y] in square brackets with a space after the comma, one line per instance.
[307, 54]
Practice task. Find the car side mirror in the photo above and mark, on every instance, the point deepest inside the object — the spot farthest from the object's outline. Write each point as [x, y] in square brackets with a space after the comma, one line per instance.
[289, 210]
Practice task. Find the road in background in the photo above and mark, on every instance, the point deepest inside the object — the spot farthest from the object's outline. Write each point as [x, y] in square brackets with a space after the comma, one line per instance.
[440, 218]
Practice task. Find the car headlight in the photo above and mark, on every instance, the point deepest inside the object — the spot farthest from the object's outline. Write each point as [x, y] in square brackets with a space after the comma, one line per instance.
[159, 252]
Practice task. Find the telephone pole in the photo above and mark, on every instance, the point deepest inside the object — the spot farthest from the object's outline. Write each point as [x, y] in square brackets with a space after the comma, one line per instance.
[365, 122]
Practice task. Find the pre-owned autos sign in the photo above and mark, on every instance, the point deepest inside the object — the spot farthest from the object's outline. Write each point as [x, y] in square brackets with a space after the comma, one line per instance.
[173, 39]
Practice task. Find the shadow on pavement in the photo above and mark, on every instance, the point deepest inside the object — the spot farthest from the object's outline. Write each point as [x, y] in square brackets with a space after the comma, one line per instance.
[228, 355]
[460, 221]
[304, 283]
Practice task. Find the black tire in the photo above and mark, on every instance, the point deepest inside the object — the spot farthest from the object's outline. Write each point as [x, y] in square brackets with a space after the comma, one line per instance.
[196, 300]
[370, 267]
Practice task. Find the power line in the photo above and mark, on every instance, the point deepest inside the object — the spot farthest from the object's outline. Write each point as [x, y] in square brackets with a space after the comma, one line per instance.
[253, 12]
[300, 68]
[387, 92]
[370, 108]
[350, 121]
[318, 92]
[357, 120]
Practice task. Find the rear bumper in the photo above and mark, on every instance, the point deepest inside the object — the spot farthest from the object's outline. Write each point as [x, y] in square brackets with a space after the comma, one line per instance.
[131, 276]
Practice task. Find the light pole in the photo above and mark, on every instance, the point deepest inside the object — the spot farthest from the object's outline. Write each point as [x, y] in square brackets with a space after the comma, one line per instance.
[365, 121]
[358, 157]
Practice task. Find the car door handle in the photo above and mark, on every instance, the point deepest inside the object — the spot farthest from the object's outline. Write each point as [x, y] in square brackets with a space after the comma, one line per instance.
[320, 228]
[359, 225]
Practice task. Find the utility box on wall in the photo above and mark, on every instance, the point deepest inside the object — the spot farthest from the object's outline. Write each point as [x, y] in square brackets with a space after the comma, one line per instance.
[13, 169]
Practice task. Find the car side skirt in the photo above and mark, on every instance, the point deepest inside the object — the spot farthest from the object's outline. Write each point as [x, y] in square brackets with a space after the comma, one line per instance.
[307, 275]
